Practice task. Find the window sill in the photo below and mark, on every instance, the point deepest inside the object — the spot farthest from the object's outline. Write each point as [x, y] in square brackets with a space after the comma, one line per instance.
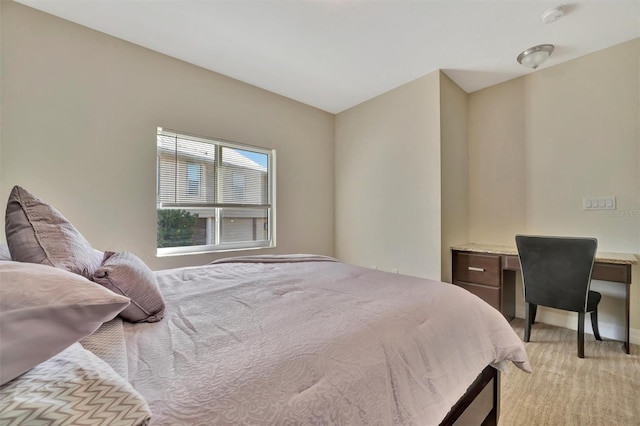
[184, 251]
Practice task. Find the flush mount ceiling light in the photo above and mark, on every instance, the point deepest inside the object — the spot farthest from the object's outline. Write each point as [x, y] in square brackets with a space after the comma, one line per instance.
[534, 56]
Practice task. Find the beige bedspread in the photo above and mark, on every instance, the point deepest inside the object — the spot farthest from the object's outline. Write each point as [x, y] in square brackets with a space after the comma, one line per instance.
[312, 343]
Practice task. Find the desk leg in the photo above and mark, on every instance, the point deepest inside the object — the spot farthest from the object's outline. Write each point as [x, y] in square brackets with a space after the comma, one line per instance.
[627, 309]
[508, 302]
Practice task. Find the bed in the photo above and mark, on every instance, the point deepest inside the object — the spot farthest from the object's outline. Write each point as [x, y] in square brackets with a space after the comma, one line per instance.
[272, 339]
[309, 340]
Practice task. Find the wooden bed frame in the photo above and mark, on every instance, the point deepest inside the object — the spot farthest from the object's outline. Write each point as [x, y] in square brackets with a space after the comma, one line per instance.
[480, 405]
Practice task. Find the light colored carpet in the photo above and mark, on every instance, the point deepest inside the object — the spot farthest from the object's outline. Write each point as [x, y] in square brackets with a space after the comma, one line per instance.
[601, 389]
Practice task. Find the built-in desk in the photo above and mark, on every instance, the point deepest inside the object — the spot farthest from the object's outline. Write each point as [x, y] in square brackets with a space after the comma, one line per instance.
[489, 272]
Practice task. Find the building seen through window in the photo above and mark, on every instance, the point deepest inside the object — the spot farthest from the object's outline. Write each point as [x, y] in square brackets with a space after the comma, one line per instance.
[194, 176]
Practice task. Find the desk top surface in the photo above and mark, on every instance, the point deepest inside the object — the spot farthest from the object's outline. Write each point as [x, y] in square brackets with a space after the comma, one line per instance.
[602, 257]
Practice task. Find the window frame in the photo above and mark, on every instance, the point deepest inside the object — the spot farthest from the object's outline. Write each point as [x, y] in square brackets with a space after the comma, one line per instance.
[218, 246]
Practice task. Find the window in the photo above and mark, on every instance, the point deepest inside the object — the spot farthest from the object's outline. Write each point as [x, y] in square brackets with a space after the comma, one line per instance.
[238, 186]
[213, 195]
[194, 175]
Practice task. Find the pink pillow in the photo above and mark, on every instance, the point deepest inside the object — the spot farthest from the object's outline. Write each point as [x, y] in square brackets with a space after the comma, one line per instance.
[124, 273]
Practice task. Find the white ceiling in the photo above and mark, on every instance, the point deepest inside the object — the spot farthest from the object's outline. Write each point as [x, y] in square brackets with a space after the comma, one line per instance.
[334, 54]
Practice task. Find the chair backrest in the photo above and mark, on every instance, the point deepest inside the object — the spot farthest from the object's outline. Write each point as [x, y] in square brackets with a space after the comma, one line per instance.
[556, 271]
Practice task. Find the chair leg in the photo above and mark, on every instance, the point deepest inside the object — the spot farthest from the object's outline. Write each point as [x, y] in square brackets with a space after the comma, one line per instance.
[534, 311]
[594, 324]
[527, 322]
[580, 334]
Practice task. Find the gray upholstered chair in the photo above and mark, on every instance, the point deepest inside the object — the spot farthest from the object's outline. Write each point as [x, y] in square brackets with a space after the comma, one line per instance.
[556, 272]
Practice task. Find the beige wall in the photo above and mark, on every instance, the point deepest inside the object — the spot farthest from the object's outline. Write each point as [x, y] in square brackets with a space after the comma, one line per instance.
[80, 111]
[540, 143]
[387, 174]
[454, 170]
[497, 203]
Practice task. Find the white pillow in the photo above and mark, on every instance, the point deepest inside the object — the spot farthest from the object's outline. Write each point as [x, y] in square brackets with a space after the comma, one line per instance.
[44, 310]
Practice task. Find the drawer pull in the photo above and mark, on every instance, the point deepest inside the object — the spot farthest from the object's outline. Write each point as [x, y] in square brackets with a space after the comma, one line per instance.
[473, 268]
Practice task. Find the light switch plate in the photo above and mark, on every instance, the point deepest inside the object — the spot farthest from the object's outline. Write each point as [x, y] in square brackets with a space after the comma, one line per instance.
[599, 203]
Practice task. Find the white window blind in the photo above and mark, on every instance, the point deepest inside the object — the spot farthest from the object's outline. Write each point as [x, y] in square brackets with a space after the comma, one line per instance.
[213, 195]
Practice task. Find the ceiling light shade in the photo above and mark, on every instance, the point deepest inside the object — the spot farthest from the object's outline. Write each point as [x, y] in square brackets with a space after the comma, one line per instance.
[534, 56]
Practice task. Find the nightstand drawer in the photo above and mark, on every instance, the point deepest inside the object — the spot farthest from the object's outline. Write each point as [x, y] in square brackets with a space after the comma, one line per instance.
[477, 268]
[490, 295]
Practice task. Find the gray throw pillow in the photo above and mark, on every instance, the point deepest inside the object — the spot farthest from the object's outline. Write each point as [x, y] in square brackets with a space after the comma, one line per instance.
[43, 310]
[5, 254]
[124, 273]
[38, 233]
